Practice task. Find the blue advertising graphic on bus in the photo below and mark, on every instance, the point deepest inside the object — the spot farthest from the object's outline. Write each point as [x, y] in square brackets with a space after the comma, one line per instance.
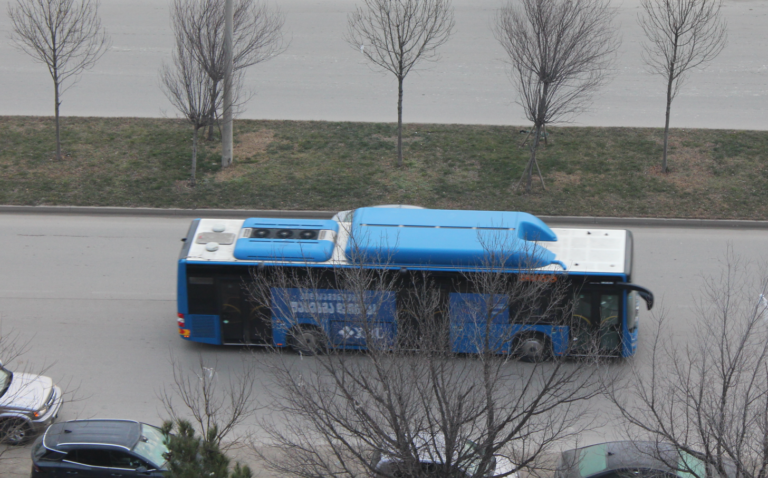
[481, 322]
[346, 317]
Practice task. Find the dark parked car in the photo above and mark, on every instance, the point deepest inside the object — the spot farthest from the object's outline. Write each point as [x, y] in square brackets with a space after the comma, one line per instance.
[28, 404]
[99, 448]
[627, 459]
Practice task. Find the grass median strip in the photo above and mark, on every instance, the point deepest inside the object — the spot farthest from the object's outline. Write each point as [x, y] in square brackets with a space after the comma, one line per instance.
[133, 162]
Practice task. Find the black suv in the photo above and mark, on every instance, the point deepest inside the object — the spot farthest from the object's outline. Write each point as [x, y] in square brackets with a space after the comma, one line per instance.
[99, 448]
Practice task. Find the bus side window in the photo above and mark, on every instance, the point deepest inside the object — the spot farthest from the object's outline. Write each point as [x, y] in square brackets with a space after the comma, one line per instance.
[633, 309]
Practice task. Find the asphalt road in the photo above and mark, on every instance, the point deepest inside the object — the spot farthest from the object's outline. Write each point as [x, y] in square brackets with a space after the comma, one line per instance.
[320, 77]
[96, 297]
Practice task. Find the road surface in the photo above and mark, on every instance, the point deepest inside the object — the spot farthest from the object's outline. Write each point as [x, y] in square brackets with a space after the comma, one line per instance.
[96, 297]
[320, 77]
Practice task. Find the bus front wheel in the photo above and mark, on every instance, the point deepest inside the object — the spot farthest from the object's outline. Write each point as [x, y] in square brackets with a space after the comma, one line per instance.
[533, 348]
[308, 340]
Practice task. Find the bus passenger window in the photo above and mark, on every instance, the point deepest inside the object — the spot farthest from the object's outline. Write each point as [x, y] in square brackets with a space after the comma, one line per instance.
[609, 310]
[582, 310]
[609, 322]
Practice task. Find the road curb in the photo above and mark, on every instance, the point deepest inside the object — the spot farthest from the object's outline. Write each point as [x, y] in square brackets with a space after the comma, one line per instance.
[241, 213]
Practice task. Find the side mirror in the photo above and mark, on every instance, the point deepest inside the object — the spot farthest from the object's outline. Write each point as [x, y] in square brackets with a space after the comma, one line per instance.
[142, 469]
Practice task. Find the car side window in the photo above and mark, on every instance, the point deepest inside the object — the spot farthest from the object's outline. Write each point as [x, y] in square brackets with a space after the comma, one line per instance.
[90, 457]
[121, 459]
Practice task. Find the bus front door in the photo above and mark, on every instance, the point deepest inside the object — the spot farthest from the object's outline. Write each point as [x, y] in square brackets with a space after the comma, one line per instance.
[596, 325]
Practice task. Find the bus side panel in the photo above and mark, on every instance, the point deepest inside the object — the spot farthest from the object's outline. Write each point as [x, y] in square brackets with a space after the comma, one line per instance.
[204, 328]
[479, 322]
[346, 322]
[474, 314]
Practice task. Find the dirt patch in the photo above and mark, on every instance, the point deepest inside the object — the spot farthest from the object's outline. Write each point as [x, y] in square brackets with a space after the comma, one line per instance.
[182, 186]
[689, 168]
[559, 179]
[248, 145]
[393, 139]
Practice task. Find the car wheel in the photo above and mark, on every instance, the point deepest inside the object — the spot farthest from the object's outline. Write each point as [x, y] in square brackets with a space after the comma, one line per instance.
[533, 348]
[308, 340]
[14, 432]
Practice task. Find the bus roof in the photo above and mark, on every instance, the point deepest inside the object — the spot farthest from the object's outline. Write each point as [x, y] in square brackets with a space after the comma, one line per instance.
[578, 250]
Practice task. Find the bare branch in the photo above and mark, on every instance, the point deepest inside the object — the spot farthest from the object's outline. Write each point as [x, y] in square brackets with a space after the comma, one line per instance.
[395, 35]
[257, 37]
[65, 35]
[708, 398]
[338, 413]
[682, 34]
[560, 52]
[213, 406]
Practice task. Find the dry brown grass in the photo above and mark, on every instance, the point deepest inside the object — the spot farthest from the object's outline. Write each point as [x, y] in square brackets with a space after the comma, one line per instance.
[249, 145]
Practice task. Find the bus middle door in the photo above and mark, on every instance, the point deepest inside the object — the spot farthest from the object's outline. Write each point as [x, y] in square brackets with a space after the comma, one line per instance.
[231, 311]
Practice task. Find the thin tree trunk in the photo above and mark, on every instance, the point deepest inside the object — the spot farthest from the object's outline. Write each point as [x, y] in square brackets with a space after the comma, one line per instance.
[399, 121]
[56, 116]
[670, 81]
[194, 157]
[532, 161]
[211, 115]
[666, 125]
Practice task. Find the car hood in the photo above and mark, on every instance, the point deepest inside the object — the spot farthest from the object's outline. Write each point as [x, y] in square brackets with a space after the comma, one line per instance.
[27, 392]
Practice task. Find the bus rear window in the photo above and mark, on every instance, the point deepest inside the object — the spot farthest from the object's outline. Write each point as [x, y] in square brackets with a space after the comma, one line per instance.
[201, 293]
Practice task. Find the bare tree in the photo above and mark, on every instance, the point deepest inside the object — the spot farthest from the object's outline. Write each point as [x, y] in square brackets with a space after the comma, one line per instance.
[199, 26]
[408, 395]
[682, 34]
[560, 53]
[65, 35]
[394, 35]
[217, 407]
[189, 88]
[707, 397]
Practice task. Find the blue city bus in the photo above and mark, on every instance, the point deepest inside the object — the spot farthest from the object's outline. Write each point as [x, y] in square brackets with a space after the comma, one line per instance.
[220, 256]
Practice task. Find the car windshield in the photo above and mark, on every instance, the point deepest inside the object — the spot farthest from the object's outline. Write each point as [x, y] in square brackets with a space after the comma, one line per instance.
[151, 446]
[472, 456]
[5, 380]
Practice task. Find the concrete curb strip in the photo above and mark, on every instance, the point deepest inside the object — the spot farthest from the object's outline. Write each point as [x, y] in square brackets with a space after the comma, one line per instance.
[238, 213]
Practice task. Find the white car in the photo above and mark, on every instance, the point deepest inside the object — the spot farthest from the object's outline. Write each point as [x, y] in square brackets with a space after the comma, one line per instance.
[28, 404]
[431, 461]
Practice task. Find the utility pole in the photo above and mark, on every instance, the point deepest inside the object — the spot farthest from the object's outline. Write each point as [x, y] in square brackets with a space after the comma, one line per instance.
[226, 130]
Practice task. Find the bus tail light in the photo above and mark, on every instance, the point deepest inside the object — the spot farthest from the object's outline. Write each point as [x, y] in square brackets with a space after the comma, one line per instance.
[181, 321]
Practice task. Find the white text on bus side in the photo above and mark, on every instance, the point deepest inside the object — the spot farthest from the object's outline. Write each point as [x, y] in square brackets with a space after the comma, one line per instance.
[330, 308]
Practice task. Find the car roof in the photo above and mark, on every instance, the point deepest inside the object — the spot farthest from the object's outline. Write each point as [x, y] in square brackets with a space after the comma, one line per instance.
[66, 435]
[603, 457]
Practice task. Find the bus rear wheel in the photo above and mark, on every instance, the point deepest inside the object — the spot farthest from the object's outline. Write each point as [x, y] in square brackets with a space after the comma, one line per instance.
[308, 340]
[533, 348]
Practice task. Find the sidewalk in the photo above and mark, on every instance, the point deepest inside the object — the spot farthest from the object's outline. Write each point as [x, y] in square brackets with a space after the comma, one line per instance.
[245, 213]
